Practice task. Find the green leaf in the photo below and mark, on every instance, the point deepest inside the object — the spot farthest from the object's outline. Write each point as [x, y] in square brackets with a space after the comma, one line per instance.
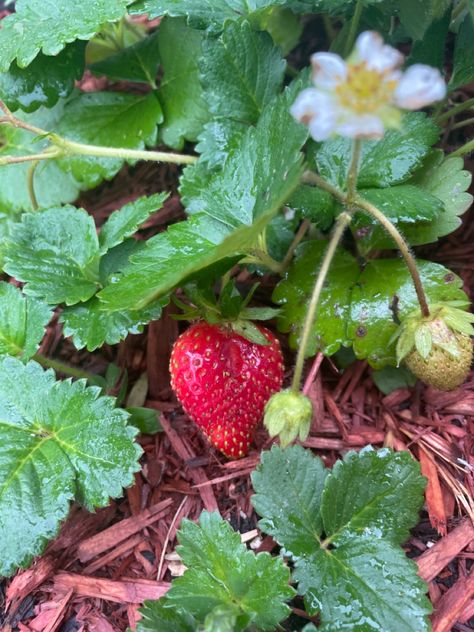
[222, 572]
[283, 25]
[109, 119]
[431, 49]
[138, 62]
[163, 616]
[144, 419]
[384, 294]
[216, 141]
[56, 253]
[292, 293]
[228, 213]
[405, 203]
[22, 322]
[241, 72]
[463, 62]
[356, 577]
[315, 204]
[52, 185]
[44, 81]
[180, 93]
[384, 162]
[417, 15]
[90, 326]
[288, 485]
[48, 27]
[391, 378]
[126, 221]
[59, 441]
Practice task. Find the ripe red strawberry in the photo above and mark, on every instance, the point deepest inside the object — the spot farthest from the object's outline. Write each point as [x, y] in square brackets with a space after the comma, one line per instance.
[223, 382]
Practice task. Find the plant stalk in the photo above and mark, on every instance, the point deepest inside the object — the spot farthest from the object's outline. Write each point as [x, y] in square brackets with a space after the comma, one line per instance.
[353, 27]
[342, 222]
[62, 367]
[456, 109]
[30, 183]
[464, 149]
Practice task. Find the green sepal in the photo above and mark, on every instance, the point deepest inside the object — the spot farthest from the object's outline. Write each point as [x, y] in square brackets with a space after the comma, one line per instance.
[249, 331]
[288, 414]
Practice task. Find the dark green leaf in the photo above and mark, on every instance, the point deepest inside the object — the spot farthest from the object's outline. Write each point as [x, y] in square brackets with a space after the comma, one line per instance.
[109, 119]
[384, 162]
[52, 185]
[391, 378]
[58, 441]
[184, 109]
[222, 572]
[364, 584]
[385, 293]
[430, 49]
[405, 203]
[293, 292]
[217, 140]
[228, 213]
[144, 419]
[356, 578]
[44, 81]
[463, 62]
[48, 27]
[241, 72]
[288, 485]
[56, 253]
[138, 62]
[90, 326]
[312, 202]
[22, 322]
[417, 15]
[126, 221]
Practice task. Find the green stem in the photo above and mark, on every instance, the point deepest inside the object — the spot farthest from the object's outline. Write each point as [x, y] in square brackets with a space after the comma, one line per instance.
[342, 222]
[61, 367]
[30, 183]
[353, 171]
[257, 257]
[456, 109]
[458, 10]
[464, 149]
[461, 124]
[300, 233]
[402, 246]
[353, 27]
[45, 155]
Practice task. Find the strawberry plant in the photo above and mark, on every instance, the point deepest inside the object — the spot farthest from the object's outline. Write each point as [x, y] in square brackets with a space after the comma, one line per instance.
[310, 160]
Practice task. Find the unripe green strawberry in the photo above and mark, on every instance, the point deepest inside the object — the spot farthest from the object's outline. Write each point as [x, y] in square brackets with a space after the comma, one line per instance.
[224, 380]
[437, 348]
[288, 414]
[441, 369]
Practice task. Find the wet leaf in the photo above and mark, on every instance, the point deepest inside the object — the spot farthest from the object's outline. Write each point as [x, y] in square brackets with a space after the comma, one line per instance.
[23, 320]
[315, 204]
[180, 93]
[344, 541]
[463, 65]
[44, 81]
[293, 292]
[109, 119]
[228, 212]
[138, 62]
[48, 27]
[60, 441]
[221, 572]
[384, 162]
[163, 616]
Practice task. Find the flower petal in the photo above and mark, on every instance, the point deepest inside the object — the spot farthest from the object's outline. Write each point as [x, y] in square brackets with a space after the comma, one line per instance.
[316, 109]
[378, 56]
[360, 126]
[305, 105]
[420, 85]
[329, 70]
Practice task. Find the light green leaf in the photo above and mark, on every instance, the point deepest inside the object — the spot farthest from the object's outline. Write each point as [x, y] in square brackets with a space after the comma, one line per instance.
[109, 119]
[90, 326]
[384, 162]
[56, 253]
[463, 62]
[126, 221]
[288, 485]
[59, 441]
[48, 27]
[345, 540]
[293, 292]
[216, 141]
[228, 213]
[22, 322]
[222, 572]
[52, 185]
[384, 294]
[138, 62]
[180, 93]
[241, 72]
[404, 203]
[163, 616]
[44, 81]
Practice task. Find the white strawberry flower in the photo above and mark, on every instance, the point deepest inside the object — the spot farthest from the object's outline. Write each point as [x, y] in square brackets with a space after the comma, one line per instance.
[364, 95]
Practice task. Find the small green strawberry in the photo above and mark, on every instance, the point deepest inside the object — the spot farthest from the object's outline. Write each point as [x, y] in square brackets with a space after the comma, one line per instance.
[437, 349]
[288, 414]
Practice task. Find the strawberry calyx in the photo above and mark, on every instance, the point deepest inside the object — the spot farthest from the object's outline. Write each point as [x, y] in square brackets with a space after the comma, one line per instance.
[288, 414]
[440, 330]
[230, 310]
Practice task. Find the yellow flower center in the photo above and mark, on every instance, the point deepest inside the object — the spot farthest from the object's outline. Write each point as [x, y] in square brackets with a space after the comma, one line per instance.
[365, 90]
